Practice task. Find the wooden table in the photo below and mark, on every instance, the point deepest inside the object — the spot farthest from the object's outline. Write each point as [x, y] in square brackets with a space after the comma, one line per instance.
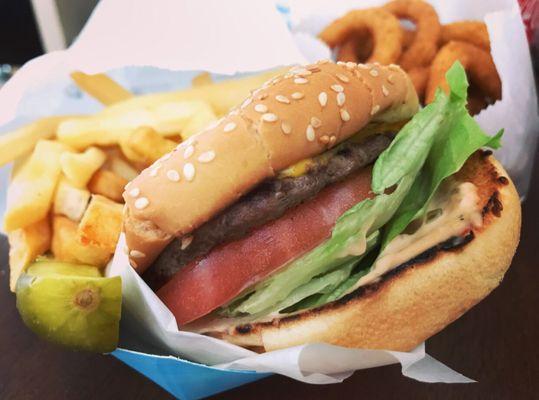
[495, 343]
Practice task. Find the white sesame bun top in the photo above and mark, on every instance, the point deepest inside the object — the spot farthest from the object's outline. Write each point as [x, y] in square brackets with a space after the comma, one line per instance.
[292, 117]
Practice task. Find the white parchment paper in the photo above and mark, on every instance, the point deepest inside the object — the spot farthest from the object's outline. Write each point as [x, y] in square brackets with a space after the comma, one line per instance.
[313, 363]
[242, 35]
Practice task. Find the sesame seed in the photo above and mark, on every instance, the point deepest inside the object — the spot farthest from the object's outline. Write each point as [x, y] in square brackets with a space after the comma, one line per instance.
[297, 95]
[323, 99]
[286, 127]
[269, 117]
[135, 192]
[188, 152]
[375, 109]
[303, 73]
[189, 171]
[173, 175]
[315, 122]
[341, 63]
[246, 102]
[300, 81]
[261, 108]
[374, 72]
[343, 78]
[141, 203]
[313, 68]
[363, 66]
[137, 254]
[385, 91]
[230, 127]
[213, 125]
[310, 133]
[351, 65]
[332, 140]
[282, 99]
[391, 78]
[337, 88]
[324, 139]
[340, 99]
[323, 61]
[133, 264]
[190, 142]
[186, 241]
[345, 116]
[155, 170]
[207, 156]
[126, 250]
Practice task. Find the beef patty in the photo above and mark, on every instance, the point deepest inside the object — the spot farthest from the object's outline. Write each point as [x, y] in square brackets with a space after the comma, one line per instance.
[267, 202]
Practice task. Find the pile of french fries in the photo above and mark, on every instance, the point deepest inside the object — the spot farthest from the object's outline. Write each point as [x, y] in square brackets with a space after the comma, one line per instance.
[65, 195]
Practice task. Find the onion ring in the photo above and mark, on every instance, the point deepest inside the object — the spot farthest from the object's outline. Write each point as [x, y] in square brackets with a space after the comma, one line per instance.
[478, 64]
[419, 77]
[476, 101]
[425, 44]
[357, 48]
[408, 37]
[474, 32]
[382, 26]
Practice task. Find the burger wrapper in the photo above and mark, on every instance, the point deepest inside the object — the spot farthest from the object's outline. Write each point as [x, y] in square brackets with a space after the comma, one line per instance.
[180, 37]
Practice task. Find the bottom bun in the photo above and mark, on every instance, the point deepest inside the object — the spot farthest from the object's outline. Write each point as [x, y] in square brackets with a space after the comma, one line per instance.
[419, 298]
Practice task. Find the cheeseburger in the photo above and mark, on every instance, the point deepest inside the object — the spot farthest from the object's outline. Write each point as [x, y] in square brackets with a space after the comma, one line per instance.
[327, 208]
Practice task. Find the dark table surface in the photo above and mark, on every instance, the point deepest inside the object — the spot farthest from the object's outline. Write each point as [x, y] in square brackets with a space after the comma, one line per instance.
[494, 343]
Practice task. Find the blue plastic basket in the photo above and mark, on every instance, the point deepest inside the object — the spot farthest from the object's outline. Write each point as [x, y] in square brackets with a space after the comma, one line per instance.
[184, 379]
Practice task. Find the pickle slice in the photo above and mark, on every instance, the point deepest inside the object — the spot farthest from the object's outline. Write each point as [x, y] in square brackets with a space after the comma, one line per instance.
[71, 305]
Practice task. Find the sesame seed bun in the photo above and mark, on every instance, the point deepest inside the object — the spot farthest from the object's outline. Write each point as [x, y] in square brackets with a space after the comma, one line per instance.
[292, 117]
[417, 299]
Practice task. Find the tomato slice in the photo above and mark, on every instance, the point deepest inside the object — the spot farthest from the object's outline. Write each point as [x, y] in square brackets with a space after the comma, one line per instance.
[208, 283]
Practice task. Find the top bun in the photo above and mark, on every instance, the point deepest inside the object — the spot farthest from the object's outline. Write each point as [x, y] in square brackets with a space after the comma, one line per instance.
[292, 117]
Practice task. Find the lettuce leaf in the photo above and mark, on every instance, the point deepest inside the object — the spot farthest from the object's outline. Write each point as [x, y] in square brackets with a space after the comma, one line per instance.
[432, 146]
[452, 147]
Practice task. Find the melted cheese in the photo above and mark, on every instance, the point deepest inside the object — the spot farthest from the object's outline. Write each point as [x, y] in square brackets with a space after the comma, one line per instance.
[303, 166]
[460, 211]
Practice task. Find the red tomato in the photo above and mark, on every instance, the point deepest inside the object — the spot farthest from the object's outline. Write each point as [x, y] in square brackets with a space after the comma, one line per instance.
[206, 284]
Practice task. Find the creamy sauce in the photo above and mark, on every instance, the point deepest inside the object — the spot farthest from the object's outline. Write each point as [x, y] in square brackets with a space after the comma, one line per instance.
[460, 210]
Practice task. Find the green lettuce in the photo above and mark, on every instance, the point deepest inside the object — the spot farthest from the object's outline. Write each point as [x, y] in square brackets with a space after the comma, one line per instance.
[461, 137]
[432, 146]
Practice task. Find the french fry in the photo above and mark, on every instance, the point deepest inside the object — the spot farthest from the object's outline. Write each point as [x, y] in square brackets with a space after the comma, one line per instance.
[25, 245]
[117, 164]
[79, 167]
[146, 145]
[198, 122]
[108, 184]
[81, 133]
[21, 141]
[168, 119]
[101, 224]
[70, 200]
[101, 87]
[204, 78]
[221, 96]
[30, 193]
[67, 246]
